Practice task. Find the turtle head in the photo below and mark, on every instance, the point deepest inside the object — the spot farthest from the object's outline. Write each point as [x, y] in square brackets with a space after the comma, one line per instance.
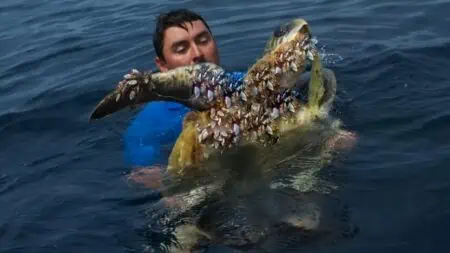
[322, 85]
[289, 31]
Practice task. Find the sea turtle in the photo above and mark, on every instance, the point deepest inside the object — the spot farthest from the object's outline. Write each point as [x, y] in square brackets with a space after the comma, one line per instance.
[225, 114]
[264, 110]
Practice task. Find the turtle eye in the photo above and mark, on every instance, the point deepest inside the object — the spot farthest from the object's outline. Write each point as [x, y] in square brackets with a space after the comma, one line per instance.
[282, 30]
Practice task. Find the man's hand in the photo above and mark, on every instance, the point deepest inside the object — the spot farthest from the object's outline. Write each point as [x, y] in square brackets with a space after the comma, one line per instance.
[151, 177]
[343, 141]
[148, 177]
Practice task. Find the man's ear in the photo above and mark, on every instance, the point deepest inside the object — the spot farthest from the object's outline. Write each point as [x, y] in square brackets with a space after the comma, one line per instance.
[161, 64]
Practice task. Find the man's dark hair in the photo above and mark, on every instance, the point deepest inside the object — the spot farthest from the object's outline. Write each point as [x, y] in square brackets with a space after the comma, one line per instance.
[173, 18]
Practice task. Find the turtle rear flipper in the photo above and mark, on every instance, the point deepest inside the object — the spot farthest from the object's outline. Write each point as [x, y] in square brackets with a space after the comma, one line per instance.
[234, 223]
[311, 219]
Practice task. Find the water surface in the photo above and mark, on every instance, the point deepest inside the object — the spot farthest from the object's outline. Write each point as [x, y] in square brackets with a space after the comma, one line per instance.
[62, 186]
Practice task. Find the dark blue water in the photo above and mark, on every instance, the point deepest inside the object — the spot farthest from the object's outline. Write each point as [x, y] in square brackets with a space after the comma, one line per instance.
[62, 186]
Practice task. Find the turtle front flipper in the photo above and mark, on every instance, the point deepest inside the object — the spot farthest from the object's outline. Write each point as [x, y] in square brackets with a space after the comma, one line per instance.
[322, 86]
[195, 86]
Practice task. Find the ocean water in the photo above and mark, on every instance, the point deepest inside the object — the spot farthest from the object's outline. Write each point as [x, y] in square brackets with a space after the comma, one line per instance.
[62, 179]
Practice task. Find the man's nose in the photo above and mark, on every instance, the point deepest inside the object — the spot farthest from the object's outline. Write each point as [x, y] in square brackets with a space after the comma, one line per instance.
[197, 54]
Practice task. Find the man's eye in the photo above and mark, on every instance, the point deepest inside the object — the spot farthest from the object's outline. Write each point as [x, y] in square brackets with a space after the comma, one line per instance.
[204, 39]
[180, 49]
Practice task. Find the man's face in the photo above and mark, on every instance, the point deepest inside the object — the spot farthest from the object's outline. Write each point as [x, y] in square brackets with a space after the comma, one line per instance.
[183, 47]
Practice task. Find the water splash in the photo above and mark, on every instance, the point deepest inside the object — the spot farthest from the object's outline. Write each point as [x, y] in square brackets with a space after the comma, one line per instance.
[328, 58]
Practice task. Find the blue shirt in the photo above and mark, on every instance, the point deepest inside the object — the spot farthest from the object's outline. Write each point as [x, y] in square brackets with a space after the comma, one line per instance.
[150, 137]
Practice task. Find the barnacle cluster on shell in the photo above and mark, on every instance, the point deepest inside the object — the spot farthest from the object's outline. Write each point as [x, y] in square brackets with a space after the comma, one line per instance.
[263, 80]
[213, 85]
[229, 125]
[250, 110]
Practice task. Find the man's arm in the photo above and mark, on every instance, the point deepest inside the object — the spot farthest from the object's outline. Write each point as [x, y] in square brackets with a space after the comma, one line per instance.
[155, 127]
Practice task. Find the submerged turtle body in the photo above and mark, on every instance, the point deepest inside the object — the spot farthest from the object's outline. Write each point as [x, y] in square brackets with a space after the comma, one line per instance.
[271, 220]
[246, 208]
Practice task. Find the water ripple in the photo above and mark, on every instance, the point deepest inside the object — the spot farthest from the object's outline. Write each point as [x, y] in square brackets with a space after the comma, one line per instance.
[62, 180]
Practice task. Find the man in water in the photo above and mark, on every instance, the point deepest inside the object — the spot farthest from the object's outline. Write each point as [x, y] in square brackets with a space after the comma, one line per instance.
[181, 37]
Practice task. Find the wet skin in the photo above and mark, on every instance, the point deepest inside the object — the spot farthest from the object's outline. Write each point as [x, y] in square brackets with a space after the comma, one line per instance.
[185, 47]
